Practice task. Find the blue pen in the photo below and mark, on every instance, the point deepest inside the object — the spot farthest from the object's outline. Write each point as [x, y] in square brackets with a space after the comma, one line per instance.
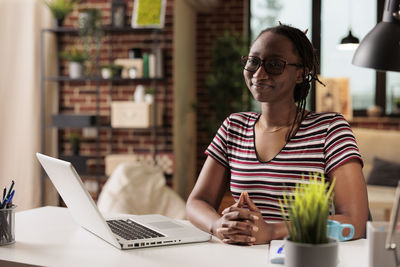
[10, 189]
[11, 197]
[7, 200]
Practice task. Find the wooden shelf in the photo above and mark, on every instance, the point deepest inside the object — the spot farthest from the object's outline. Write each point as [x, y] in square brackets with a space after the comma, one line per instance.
[99, 79]
[107, 29]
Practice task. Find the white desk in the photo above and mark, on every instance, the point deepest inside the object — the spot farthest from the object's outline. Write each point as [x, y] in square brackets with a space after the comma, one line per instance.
[49, 237]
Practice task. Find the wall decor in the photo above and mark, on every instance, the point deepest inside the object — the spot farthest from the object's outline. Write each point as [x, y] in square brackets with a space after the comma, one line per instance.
[148, 14]
[118, 11]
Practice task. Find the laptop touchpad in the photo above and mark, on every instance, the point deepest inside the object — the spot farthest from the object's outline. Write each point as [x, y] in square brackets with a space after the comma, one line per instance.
[165, 225]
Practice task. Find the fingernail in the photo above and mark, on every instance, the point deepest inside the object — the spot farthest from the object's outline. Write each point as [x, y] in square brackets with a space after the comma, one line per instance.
[255, 217]
[255, 228]
[252, 239]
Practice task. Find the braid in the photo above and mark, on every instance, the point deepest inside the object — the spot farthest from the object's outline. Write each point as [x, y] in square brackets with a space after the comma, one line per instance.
[306, 51]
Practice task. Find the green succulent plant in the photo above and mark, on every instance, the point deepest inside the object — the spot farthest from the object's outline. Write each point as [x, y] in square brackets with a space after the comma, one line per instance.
[74, 55]
[308, 210]
[75, 141]
[60, 8]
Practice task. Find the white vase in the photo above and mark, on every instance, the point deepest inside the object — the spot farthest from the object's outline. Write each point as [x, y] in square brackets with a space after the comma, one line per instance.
[148, 98]
[311, 255]
[75, 70]
[106, 73]
[138, 95]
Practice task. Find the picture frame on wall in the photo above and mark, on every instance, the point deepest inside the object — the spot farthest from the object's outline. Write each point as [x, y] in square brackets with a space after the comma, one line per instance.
[148, 14]
[334, 96]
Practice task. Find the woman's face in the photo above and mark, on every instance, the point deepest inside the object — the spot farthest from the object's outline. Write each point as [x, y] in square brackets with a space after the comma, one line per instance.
[270, 88]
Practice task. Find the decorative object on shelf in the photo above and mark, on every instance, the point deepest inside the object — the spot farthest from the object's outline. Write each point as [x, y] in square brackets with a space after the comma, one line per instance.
[308, 244]
[76, 59]
[60, 9]
[91, 34]
[111, 71]
[135, 53]
[374, 111]
[131, 114]
[118, 11]
[149, 95]
[75, 142]
[153, 64]
[148, 14]
[349, 42]
[225, 85]
[334, 97]
[138, 95]
[132, 67]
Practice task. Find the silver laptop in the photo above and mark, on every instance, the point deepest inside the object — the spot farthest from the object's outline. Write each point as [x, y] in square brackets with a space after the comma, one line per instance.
[123, 232]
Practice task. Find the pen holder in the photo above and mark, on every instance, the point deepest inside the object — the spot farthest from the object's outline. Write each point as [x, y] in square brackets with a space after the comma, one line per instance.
[7, 225]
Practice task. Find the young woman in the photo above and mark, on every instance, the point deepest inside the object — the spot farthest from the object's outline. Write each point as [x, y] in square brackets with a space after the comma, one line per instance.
[264, 155]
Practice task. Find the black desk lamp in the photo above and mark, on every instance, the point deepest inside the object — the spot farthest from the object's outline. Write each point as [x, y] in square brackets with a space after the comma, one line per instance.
[380, 49]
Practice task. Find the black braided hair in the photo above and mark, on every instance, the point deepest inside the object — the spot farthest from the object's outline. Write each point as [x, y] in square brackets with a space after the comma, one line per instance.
[309, 60]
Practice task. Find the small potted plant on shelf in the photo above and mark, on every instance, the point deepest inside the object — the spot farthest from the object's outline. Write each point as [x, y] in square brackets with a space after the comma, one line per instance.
[111, 71]
[76, 59]
[60, 9]
[75, 142]
[149, 95]
[308, 209]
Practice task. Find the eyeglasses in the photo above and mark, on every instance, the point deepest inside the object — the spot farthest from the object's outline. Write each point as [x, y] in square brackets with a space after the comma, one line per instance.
[272, 66]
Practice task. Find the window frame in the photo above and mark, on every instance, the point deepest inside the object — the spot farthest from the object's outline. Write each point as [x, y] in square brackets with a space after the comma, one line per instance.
[380, 86]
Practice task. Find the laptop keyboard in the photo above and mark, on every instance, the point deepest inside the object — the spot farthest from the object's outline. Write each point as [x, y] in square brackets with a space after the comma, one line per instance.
[131, 230]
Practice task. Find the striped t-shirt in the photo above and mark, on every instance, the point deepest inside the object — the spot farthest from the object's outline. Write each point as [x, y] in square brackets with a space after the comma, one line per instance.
[323, 142]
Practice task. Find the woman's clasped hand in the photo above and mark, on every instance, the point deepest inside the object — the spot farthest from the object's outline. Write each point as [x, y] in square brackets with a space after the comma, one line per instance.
[241, 223]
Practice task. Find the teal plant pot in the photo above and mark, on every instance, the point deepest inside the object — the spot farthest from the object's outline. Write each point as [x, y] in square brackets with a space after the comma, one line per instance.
[310, 255]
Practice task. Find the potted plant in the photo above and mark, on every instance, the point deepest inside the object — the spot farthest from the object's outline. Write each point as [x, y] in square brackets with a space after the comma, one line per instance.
[76, 58]
[308, 209]
[75, 142]
[149, 95]
[111, 71]
[60, 9]
[91, 32]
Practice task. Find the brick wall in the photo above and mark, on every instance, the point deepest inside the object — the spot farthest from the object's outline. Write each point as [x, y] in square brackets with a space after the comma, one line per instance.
[81, 97]
[229, 15]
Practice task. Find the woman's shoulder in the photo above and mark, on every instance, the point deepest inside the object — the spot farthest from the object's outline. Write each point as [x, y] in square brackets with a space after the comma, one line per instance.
[245, 117]
[327, 117]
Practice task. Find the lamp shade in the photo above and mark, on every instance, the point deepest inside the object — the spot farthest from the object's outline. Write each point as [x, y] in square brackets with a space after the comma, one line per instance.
[349, 42]
[380, 49]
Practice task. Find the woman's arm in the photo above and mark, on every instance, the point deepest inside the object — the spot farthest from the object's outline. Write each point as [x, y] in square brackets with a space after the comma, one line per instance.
[203, 202]
[351, 199]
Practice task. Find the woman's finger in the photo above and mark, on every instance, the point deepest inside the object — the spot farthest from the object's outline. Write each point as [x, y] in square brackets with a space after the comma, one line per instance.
[249, 202]
[239, 226]
[240, 214]
[240, 239]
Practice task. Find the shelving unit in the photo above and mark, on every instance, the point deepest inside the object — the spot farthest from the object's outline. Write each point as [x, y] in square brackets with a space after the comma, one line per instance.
[92, 85]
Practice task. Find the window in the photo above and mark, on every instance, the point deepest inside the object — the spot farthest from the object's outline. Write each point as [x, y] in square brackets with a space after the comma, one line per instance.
[336, 63]
[334, 20]
[268, 13]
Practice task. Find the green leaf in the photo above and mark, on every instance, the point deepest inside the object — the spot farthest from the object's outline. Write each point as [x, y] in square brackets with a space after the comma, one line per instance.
[308, 211]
